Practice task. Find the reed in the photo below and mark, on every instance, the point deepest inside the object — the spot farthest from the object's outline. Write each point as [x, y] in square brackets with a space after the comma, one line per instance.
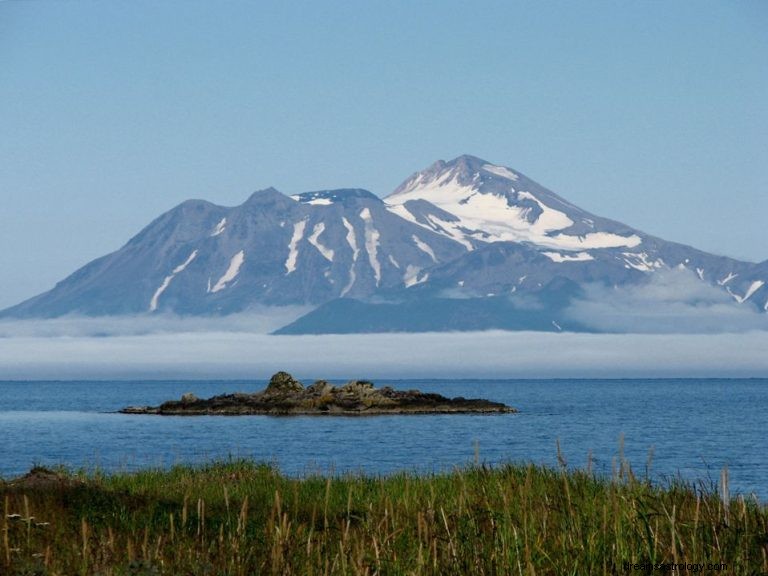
[241, 518]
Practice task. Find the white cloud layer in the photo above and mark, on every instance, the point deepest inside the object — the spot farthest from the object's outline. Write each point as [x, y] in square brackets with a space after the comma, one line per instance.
[492, 354]
[259, 320]
[679, 326]
[672, 302]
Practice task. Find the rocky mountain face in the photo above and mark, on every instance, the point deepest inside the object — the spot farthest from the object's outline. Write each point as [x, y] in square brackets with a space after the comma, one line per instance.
[454, 247]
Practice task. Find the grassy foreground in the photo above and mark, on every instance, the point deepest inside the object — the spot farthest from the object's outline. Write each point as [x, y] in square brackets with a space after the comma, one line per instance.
[243, 518]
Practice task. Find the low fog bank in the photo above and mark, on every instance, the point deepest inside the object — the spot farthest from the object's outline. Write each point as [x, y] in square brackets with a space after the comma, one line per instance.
[493, 354]
[671, 302]
[257, 320]
[672, 326]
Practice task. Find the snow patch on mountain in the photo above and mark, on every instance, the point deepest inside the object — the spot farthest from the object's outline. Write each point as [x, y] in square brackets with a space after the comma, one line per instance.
[231, 273]
[424, 247]
[549, 219]
[493, 217]
[724, 281]
[313, 199]
[181, 267]
[451, 229]
[754, 287]
[156, 296]
[501, 171]
[352, 241]
[404, 213]
[578, 257]
[314, 240]
[434, 224]
[411, 276]
[293, 246]
[154, 302]
[642, 261]
[595, 240]
[220, 227]
[372, 237]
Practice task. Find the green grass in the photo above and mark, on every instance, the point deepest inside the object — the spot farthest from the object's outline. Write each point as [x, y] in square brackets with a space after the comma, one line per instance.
[244, 518]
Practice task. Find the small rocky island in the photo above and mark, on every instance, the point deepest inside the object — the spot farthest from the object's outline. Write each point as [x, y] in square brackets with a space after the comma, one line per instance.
[287, 396]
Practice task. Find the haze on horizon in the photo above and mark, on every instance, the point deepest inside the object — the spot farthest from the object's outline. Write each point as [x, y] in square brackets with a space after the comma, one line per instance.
[667, 339]
[651, 114]
[223, 354]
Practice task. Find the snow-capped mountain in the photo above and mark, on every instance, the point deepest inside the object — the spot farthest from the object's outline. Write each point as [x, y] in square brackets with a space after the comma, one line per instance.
[480, 203]
[445, 250]
[519, 233]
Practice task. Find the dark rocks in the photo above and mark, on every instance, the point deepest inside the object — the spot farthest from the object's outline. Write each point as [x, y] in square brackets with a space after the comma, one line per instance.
[319, 388]
[284, 395]
[283, 383]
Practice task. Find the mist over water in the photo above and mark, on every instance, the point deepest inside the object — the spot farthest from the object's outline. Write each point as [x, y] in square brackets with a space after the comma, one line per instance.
[671, 326]
[490, 354]
[232, 347]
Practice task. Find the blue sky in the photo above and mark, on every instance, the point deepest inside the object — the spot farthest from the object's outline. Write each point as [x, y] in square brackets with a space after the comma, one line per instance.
[652, 113]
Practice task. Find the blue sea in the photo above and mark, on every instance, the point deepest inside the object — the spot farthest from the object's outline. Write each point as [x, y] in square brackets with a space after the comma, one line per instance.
[684, 428]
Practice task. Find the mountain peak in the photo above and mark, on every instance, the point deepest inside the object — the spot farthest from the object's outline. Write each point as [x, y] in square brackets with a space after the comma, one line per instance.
[259, 195]
[491, 203]
[464, 165]
[467, 162]
[466, 170]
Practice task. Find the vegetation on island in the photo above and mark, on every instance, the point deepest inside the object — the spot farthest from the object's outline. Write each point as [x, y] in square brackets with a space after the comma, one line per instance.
[242, 518]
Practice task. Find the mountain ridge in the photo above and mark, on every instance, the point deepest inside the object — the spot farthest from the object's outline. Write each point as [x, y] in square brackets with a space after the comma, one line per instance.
[462, 226]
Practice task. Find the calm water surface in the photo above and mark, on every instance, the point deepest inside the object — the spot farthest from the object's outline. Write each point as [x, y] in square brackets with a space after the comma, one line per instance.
[693, 428]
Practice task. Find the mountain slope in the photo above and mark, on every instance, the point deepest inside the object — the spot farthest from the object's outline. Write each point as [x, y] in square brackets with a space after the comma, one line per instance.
[481, 203]
[519, 236]
[200, 258]
[459, 245]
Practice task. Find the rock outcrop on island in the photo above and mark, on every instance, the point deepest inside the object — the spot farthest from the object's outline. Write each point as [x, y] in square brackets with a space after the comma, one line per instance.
[287, 396]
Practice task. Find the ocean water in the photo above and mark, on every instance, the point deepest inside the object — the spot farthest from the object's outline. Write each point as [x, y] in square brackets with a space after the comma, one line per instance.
[668, 428]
